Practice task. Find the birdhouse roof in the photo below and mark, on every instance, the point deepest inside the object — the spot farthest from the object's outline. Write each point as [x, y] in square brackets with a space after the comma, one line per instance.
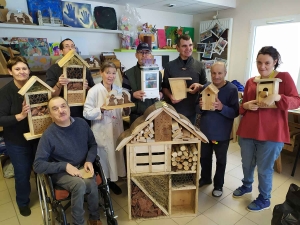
[212, 88]
[258, 80]
[69, 56]
[149, 115]
[31, 82]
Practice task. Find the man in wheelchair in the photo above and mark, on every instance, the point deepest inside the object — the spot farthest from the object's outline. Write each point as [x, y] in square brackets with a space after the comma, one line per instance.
[66, 145]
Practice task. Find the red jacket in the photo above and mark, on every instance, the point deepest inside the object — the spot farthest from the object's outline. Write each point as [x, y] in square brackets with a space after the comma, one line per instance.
[269, 124]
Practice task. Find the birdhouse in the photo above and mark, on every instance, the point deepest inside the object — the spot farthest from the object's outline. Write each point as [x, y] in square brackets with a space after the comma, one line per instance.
[37, 94]
[266, 87]
[74, 68]
[179, 87]
[209, 95]
[11, 52]
[163, 153]
[118, 99]
[150, 80]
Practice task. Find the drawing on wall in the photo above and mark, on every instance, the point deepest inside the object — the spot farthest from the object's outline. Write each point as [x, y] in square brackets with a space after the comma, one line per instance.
[77, 14]
[33, 46]
[39, 63]
[54, 49]
[174, 32]
[43, 6]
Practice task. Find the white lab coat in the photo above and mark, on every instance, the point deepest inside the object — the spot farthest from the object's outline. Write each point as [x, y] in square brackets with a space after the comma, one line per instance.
[106, 127]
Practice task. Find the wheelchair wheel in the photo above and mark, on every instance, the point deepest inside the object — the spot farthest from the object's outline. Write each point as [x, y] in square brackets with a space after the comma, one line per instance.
[45, 200]
[112, 221]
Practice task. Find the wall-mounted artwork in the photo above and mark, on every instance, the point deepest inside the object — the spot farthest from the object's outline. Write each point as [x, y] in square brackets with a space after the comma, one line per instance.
[54, 49]
[39, 63]
[77, 14]
[174, 32]
[33, 46]
[43, 6]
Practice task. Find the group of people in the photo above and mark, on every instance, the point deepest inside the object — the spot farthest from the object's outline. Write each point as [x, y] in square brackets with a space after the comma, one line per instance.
[70, 143]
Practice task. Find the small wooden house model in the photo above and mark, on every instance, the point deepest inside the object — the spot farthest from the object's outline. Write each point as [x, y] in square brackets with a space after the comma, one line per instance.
[37, 93]
[209, 95]
[266, 87]
[178, 87]
[118, 99]
[11, 52]
[163, 152]
[74, 68]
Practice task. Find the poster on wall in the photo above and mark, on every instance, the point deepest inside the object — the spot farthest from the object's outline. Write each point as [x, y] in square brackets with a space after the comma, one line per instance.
[33, 46]
[44, 6]
[174, 32]
[77, 14]
[54, 49]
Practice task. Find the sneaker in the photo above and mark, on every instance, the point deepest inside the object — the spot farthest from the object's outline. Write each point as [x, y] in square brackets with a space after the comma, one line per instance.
[217, 192]
[204, 182]
[259, 204]
[94, 222]
[242, 190]
[24, 210]
[114, 188]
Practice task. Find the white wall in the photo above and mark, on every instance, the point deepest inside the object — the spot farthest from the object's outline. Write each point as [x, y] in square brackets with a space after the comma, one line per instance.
[101, 42]
[245, 11]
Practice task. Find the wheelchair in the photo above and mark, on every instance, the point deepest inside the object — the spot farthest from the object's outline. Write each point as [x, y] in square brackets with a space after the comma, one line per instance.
[51, 198]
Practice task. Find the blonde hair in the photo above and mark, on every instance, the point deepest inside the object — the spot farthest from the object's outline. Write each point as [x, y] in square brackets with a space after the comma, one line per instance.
[105, 65]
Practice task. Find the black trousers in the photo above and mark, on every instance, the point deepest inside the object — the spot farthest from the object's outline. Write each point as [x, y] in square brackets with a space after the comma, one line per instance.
[206, 161]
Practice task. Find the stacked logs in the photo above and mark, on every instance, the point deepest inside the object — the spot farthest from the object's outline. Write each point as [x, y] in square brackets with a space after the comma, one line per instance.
[184, 157]
[142, 206]
[145, 135]
[179, 133]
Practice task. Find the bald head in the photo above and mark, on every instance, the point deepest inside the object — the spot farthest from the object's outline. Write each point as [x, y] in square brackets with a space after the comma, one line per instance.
[218, 73]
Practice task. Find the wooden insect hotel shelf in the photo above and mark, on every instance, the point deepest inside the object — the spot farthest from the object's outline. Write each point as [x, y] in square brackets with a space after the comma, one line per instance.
[37, 93]
[74, 68]
[163, 153]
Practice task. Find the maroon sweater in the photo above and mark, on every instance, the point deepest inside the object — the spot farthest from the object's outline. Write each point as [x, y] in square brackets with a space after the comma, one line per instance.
[269, 124]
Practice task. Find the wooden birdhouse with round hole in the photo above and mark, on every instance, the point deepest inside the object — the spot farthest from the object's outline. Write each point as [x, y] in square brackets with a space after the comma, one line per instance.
[37, 94]
[209, 95]
[266, 87]
[179, 87]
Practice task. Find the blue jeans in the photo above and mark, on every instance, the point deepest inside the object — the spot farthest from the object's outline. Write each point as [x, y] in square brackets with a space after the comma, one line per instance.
[78, 187]
[22, 159]
[263, 155]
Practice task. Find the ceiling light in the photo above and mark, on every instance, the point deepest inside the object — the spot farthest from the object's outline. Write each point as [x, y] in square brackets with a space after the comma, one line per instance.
[171, 5]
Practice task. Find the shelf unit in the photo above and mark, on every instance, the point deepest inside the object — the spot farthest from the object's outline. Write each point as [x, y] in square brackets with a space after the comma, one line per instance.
[57, 28]
[153, 50]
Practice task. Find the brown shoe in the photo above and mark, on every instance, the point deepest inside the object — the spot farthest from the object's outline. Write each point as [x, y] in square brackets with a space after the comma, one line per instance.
[94, 222]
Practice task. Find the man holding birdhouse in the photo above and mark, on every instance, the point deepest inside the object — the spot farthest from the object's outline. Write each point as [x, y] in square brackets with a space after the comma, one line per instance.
[185, 66]
[216, 123]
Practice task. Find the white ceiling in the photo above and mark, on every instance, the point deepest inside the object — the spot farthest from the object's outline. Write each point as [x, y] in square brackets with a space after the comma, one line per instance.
[191, 7]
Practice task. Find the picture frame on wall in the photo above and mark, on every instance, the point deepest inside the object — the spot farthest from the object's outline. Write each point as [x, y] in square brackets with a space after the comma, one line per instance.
[201, 47]
[217, 30]
[208, 50]
[208, 63]
[205, 35]
[221, 60]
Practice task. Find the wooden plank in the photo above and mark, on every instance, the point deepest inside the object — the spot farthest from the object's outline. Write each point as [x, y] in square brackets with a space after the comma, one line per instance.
[29, 136]
[141, 159]
[3, 63]
[149, 196]
[106, 107]
[39, 104]
[183, 200]
[129, 152]
[163, 127]
[178, 88]
[181, 78]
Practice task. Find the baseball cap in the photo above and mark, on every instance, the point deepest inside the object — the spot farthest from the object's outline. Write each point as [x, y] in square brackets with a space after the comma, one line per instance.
[143, 46]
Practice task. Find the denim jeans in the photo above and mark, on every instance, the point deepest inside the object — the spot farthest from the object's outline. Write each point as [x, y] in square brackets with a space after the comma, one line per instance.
[263, 155]
[78, 187]
[206, 161]
[22, 159]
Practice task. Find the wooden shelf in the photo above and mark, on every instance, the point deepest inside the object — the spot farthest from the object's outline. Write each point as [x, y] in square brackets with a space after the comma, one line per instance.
[56, 28]
[153, 50]
[178, 187]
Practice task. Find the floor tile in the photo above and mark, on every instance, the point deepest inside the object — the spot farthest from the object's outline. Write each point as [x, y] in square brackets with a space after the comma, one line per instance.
[234, 159]
[245, 221]
[7, 211]
[123, 218]
[11, 221]
[158, 221]
[205, 202]
[237, 204]
[34, 219]
[10, 182]
[223, 215]
[183, 220]
[201, 220]
[232, 182]
[5, 197]
[261, 218]
[210, 188]
[3, 185]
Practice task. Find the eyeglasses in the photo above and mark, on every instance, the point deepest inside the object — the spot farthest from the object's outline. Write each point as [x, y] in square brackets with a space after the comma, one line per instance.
[144, 53]
[70, 46]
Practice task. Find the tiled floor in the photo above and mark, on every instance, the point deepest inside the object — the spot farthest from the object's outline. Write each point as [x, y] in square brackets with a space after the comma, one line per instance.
[212, 211]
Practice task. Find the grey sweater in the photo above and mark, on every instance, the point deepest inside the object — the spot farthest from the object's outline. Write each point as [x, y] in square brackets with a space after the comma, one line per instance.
[58, 146]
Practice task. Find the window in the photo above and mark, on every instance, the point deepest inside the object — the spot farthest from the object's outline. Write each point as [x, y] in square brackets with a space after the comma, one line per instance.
[284, 35]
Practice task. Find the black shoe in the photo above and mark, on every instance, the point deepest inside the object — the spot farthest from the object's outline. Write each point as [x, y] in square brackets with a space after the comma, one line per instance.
[204, 182]
[25, 210]
[115, 188]
[217, 192]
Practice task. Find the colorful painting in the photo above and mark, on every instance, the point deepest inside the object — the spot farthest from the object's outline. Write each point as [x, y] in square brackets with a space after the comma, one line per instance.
[174, 32]
[54, 49]
[33, 46]
[43, 6]
[77, 14]
[190, 31]
[39, 63]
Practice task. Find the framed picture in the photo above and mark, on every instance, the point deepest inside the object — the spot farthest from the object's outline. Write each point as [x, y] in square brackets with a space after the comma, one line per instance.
[218, 50]
[208, 50]
[221, 60]
[201, 47]
[208, 63]
[150, 83]
[169, 42]
[217, 30]
[221, 43]
[205, 35]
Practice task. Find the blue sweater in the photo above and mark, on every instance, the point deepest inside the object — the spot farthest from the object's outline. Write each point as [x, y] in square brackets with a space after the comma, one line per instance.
[58, 146]
[217, 125]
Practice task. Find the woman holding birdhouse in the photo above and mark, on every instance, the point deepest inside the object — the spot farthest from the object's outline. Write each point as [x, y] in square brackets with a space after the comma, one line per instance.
[13, 118]
[264, 125]
[106, 125]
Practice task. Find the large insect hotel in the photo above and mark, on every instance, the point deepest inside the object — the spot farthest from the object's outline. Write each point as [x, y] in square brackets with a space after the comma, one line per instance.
[74, 68]
[163, 153]
[37, 93]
